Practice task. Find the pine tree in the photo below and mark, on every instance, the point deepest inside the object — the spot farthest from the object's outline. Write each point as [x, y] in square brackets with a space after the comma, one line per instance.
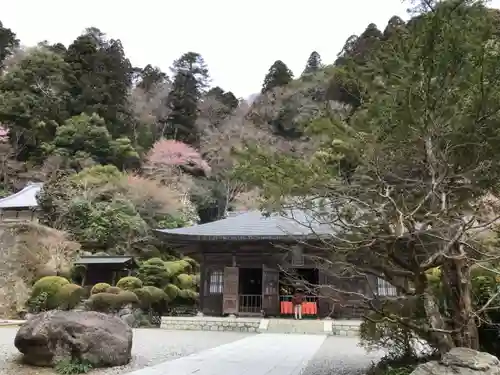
[191, 80]
[149, 77]
[313, 63]
[99, 80]
[225, 97]
[8, 43]
[278, 75]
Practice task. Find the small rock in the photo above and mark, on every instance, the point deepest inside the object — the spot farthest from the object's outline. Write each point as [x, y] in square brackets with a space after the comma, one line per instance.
[125, 311]
[130, 320]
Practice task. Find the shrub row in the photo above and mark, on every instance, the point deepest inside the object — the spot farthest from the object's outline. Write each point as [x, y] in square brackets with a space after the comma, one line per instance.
[53, 292]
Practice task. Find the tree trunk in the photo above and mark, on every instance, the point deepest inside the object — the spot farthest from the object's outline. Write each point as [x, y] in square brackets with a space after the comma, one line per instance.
[439, 339]
[458, 290]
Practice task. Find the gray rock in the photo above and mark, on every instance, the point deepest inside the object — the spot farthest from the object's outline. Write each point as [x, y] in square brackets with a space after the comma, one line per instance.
[100, 339]
[130, 320]
[461, 361]
[126, 311]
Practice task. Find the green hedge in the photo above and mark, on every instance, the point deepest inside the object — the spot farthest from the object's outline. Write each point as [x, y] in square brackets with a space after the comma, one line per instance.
[49, 287]
[99, 288]
[129, 283]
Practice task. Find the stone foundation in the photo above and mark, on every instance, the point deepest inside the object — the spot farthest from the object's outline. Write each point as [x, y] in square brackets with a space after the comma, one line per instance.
[345, 327]
[211, 324]
[257, 325]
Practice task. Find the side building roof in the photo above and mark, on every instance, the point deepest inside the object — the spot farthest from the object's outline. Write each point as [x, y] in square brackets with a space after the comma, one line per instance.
[26, 198]
[110, 259]
[252, 225]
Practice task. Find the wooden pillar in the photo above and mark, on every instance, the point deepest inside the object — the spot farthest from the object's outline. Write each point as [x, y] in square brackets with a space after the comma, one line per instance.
[270, 291]
[203, 281]
[326, 303]
[230, 296]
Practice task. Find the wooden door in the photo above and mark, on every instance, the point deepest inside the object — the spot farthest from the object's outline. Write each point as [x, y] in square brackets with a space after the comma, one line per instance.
[230, 292]
[270, 291]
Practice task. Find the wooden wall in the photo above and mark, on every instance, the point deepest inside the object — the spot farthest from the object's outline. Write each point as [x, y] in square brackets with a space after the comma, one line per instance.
[214, 257]
[18, 215]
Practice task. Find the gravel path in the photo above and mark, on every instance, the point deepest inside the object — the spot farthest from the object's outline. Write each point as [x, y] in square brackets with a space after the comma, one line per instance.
[337, 355]
[151, 346]
[340, 356]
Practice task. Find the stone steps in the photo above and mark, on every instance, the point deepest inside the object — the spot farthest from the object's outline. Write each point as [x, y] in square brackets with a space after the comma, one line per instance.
[305, 326]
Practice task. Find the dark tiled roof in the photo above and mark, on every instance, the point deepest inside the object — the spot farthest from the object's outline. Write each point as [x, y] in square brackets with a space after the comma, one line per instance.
[253, 225]
[104, 260]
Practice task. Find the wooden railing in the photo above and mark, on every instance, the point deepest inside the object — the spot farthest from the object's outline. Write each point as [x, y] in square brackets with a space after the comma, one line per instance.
[250, 303]
[306, 298]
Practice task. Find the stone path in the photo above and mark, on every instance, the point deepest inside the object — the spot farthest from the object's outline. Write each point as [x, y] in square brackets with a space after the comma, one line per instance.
[264, 354]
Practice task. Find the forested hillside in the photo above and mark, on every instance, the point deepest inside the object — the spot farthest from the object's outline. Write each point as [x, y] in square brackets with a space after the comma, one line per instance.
[85, 110]
[156, 150]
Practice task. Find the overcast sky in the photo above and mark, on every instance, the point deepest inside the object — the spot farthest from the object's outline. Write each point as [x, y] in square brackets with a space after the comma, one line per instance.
[238, 39]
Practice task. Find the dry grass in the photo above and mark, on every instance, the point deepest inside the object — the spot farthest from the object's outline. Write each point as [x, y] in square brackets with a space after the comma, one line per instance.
[144, 192]
[29, 251]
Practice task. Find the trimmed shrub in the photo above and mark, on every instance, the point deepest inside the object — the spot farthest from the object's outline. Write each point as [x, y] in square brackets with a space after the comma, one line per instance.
[172, 291]
[113, 290]
[144, 297]
[196, 280]
[103, 302]
[150, 296]
[127, 297]
[69, 296]
[194, 266]
[50, 286]
[153, 272]
[185, 281]
[99, 288]
[157, 295]
[188, 294]
[176, 267]
[129, 283]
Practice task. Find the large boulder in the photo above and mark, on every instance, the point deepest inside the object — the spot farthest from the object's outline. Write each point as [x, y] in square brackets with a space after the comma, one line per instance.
[461, 361]
[99, 339]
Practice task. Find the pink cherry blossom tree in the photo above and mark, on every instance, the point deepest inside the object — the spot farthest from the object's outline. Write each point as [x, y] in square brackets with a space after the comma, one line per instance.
[167, 152]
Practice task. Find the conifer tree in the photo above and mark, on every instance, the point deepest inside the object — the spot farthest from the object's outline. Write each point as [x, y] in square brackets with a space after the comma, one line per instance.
[278, 75]
[313, 63]
[190, 82]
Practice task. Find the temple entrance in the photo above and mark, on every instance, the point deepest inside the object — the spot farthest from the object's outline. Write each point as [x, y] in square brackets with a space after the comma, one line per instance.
[306, 279]
[250, 291]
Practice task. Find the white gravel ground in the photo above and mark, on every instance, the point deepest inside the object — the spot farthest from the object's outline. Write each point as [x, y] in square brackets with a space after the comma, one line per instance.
[337, 355]
[341, 356]
[151, 346]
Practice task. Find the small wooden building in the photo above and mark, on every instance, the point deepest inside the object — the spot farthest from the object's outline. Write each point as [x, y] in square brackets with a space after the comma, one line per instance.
[22, 205]
[249, 263]
[105, 269]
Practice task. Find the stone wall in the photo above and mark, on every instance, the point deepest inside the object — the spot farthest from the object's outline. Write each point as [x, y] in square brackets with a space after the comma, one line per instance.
[345, 327]
[210, 324]
[326, 327]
